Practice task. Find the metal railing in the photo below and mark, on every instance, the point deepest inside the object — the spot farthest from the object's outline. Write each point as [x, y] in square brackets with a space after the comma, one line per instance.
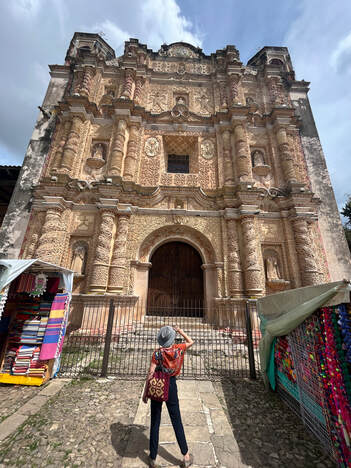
[117, 338]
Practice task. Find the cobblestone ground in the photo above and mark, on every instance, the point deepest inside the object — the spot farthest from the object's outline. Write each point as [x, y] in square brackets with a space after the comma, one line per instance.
[18, 395]
[88, 424]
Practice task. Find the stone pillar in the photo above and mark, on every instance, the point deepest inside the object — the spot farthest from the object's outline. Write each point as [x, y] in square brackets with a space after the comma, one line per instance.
[252, 266]
[57, 159]
[88, 75]
[101, 265]
[117, 148]
[127, 92]
[222, 88]
[138, 89]
[132, 153]
[234, 267]
[286, 156]
[227, 158]
[234, 81]
[119, 256]
[71, 147]
[243, 158]
[50, 244]
[305, 252]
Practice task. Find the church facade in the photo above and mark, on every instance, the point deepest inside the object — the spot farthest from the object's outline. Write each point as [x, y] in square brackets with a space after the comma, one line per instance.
[170, 175]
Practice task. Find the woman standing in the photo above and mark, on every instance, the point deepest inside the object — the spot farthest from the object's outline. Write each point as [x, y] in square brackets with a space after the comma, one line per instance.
[172, 356]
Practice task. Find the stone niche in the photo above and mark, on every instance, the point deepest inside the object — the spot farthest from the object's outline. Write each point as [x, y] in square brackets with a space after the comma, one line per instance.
[274, 269]
[97, 157]
[260, 166]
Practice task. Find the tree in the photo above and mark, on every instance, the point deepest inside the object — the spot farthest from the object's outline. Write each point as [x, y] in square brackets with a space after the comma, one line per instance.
[346, 211]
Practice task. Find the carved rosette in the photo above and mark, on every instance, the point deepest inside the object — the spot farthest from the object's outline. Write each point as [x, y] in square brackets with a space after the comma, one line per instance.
[234, 268]
[119, 257]
[227, 158]
[85, 87]
[101, 265]
[50, 244]
[286, 155]
[243, 159]
[234, 81]
[127, 92]
[139, 83]
[71, 147]
[252, 267]
[305, 253]
[117, 148]
[132, 153]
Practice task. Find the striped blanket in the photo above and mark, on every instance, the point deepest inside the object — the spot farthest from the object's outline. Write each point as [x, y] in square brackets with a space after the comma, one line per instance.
[55, 329]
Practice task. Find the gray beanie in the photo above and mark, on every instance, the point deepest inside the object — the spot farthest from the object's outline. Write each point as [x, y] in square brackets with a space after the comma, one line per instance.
[166, 336]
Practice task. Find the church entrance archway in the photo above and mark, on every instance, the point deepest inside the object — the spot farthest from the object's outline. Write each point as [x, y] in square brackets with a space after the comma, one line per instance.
[175, 281]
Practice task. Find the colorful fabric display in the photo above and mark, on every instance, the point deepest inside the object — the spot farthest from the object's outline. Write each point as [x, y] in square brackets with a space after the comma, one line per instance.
[26, 283]
[37, 368]
[55, 329]
[22, 361]
[39, 286]
[53, 285]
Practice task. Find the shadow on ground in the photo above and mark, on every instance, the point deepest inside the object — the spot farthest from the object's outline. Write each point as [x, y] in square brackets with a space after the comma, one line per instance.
[132, 441]
[268, 433]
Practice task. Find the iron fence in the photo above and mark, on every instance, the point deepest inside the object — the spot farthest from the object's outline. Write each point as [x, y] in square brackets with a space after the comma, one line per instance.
[117, 338]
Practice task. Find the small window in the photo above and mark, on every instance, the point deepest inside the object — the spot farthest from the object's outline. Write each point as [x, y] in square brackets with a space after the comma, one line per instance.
[178, 163]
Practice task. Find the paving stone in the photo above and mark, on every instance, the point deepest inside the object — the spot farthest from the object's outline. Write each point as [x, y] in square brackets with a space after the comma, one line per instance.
[11, 424]
[33, 406]
[205, 386]
[53, 387]
[210, 400]
[190, 405]
[203, 453]
[220, 423]
[189, 418]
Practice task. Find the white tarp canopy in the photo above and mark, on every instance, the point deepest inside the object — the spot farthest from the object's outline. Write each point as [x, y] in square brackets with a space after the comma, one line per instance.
[13, 268]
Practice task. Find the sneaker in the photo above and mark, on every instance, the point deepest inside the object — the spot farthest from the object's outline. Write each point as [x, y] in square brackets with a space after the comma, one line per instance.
[188, 462]
[153, 464]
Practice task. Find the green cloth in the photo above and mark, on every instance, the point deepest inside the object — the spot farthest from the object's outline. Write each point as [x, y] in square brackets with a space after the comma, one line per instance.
[283, 312]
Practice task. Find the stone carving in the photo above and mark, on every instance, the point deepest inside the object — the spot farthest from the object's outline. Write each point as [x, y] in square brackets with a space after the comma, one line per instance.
[181, 69]
[286, 155]
[252, 269]
[178, 51]
[257, 158]
[152, 146]
[132, 153]
[244, 169]
[207, 149]
[203, 104]
[57, 159]
[128, 84]
[79, 258]
[85, 86]
[305, 253]
[180, 110]
[234, 268]
[117, 147]
[51, 242]
[98, 156]
[227, 158]
[223, 95]
[277, 92]
[71, 147]
[119, 256]
[100, 271]
[192, 68]
[158, 102]
[139, 83]
[272, 268]
[84, 223]
[234, 81]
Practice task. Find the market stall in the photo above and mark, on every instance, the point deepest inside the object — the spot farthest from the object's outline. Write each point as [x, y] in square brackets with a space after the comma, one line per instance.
[306, 357]
[34, 307]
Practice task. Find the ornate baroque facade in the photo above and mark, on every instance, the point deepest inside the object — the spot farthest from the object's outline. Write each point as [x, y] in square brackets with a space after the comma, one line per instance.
[175, 145]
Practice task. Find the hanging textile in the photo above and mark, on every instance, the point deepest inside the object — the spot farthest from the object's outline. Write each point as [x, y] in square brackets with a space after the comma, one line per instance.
[55, 328]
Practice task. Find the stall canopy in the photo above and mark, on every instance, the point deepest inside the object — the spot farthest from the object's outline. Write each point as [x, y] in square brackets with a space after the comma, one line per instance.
[13, 268]
[282, 312]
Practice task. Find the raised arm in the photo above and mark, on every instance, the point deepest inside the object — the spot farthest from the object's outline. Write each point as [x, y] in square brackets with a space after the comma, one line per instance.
[188, 341]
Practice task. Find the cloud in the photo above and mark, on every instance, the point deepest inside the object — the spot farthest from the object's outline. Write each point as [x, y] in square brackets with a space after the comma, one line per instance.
[341, 56]
[112, 33]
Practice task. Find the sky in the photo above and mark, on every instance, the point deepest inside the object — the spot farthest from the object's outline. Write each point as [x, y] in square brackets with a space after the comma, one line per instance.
[36, 33]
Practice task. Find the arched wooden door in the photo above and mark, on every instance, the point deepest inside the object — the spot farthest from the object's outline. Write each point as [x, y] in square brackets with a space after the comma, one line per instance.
[175, 281]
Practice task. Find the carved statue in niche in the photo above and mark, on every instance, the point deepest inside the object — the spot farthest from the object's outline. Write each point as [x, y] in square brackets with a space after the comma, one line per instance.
[272, 268]
[203, 104]
[180, 110]
[79, 257]
[258, 158]
[98, 156]
[158, 102]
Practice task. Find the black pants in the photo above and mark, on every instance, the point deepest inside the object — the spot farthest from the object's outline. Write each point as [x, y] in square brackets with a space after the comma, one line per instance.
[174, 414]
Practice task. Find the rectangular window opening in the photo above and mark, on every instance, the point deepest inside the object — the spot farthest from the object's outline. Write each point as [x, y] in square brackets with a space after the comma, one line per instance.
[178, 163]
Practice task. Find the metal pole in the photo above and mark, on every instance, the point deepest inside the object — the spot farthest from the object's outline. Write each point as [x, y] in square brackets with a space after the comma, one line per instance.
[250, 342]
[108, 337]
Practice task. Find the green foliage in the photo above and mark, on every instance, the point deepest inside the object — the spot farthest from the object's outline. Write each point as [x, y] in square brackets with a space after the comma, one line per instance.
[348, 236]
[346, 211]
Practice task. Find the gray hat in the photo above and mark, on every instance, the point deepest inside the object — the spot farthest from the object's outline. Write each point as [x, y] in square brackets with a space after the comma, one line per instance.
[166, 336]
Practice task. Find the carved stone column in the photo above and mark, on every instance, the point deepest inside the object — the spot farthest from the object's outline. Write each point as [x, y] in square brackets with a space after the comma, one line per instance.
[101, 265]
[132, 153]
[305, 252]
[57, 159]
[286, 156]
[50, 244]
[71, 147]
[234, 81]
[243, 159]
[252, 266]
[88, 75]
[223, 95]
[127, 92]
[234, 267]
[119, 256]
[117, 148]
[138, 89]
[227, 158]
